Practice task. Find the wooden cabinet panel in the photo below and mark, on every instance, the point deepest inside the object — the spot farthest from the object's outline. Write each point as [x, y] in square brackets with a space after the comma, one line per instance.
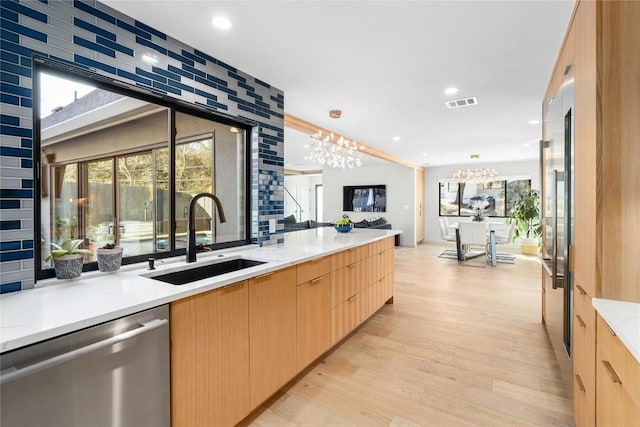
[584, 363]
[210, 358]
[349, 256]
[314, 319]
[272, 333]
[584, 42]
[344, 317]
[618, 113]
[313, 269]
[349, 281]
[617, 373]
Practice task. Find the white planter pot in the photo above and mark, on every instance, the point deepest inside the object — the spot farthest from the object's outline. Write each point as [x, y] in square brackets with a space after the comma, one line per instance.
[68, 266]
[529, 246]
[109, 259]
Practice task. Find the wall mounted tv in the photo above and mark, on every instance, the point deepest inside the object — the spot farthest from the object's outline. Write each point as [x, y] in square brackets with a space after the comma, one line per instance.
[364, 198]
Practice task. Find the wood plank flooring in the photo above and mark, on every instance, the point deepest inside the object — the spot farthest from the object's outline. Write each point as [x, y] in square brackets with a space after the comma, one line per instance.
[460, 346]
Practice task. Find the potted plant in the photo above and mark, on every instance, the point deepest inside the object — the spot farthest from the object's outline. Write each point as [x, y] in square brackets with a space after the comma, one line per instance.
[109, 256]
[68, 258]
[526, 214]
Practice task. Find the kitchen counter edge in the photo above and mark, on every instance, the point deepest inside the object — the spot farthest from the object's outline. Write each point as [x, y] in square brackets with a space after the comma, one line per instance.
[57, 307]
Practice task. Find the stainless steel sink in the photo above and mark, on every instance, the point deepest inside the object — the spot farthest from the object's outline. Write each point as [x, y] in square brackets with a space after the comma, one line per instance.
[194, 274]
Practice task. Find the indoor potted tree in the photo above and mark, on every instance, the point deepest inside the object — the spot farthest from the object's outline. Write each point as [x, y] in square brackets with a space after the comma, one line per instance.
[68, 258]
[526, 214]
[109, 256]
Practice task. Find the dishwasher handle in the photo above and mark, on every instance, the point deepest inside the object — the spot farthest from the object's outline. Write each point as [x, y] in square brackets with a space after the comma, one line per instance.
[12, 373]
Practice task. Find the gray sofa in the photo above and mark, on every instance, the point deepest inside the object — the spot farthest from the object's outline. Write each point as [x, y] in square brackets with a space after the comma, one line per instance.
[290, 224]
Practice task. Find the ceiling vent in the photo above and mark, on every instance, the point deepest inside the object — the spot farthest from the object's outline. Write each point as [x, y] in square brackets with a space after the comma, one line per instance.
[462, 102]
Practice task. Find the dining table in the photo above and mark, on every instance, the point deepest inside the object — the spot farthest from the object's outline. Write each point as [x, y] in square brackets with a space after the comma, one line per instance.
[492, 227]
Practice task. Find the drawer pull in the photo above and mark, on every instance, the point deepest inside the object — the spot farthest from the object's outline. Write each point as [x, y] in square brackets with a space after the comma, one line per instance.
[316, 280]
[580, 384]
[580, 321]
[611, 372]
[352, 265]
[351, 297]
[264, 275]
[317, 259]
[581, 290]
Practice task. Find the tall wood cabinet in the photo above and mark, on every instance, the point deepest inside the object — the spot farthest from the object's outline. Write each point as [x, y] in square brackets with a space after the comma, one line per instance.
[602, 44]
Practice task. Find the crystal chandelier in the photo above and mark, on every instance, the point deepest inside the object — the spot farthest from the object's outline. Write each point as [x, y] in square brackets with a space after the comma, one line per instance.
[341, 153]
[475, 175]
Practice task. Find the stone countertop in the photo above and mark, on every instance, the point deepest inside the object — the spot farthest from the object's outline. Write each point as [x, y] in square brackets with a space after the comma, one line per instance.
[624, 320]
[55, 307]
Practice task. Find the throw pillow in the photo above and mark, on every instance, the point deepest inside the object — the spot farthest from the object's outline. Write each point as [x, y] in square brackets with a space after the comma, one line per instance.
[291, 219]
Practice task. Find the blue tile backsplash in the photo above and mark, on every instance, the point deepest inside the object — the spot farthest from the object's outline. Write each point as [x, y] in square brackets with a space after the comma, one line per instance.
[94, 37]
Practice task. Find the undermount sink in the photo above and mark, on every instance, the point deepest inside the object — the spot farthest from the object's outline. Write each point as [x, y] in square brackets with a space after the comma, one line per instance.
[194, 274]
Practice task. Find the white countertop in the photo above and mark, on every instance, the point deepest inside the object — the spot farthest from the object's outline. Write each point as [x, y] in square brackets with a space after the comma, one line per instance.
[57, 307]
[624, 320]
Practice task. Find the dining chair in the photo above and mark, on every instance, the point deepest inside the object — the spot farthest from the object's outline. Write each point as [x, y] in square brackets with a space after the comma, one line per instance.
[473, 239]
[448, 235]
[503, 238]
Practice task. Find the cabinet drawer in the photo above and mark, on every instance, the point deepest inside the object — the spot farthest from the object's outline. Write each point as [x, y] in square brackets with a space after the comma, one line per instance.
[349, 281]
[617, 374]
[349, 256]
[313, 269]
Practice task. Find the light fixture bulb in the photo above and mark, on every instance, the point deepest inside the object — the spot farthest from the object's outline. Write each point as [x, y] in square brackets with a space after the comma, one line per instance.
[221, 23]
[450, 90]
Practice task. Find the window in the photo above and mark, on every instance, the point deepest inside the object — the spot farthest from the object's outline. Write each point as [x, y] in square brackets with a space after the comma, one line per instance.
[494, 198]
[113, 171]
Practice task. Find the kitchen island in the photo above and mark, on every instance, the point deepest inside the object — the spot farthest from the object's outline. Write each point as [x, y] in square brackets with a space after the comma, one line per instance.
[241, 335]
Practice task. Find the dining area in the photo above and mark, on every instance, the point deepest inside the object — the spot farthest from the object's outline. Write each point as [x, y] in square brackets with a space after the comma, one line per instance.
[477, 242]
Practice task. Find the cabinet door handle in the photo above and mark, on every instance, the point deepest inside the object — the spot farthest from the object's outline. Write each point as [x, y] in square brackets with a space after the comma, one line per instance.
[351, 297]
[352, 265]
[580, 321]
[317, 259]
[581, 290]
[264, 275]
[580, 384]
[316, 280]
[611, 372]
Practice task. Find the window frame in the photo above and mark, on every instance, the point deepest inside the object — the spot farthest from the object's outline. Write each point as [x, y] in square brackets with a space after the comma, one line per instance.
[506, 182]
[56, 68]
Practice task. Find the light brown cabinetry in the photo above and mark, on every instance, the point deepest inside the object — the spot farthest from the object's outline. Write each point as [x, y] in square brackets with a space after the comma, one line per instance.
[234, 347]
[272, 332]
[210, 358]
[313, 313]
[602, 45]
[617, 376]
[584, 348]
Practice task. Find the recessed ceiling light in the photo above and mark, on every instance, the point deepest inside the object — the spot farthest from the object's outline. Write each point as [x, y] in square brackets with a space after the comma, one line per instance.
[534, 121]
[474, 156]
[221, 22]
[424, 154]
[150, 58]
[396, 138]
[335, 114]
[526, 144]
[450, 90]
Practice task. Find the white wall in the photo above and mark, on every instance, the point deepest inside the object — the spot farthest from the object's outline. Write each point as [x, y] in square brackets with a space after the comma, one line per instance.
[524, 169]
[400, 182]
[297, 185]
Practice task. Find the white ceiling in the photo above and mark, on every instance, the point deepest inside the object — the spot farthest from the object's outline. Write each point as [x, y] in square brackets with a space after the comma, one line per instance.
[386, 65]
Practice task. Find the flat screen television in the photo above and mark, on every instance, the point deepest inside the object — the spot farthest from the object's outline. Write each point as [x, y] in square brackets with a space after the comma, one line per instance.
[364, 198]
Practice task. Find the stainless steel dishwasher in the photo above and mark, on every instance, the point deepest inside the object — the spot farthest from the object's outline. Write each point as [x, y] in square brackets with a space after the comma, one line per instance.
[112, 374]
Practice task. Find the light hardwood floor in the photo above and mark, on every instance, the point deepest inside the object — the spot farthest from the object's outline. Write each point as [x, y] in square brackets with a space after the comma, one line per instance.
[460, 346]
